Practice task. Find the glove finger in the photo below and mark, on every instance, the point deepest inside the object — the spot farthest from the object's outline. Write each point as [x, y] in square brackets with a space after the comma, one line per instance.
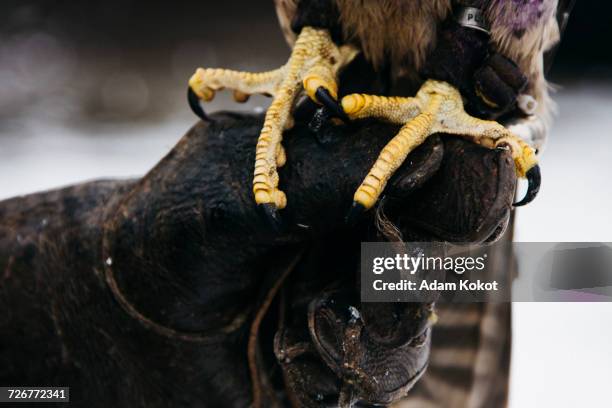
[419, 167]
[507, 71]
[493, 90]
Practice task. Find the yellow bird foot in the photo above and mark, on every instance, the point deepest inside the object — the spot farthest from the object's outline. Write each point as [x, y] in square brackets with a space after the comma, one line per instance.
[436, 108]
[312, 67]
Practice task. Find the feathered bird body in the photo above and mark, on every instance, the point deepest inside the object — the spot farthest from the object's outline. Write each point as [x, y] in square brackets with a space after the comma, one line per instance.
[403, 32]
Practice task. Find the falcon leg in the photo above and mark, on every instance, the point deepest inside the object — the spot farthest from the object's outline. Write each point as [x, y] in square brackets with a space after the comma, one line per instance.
[437, 108]
[313, 66]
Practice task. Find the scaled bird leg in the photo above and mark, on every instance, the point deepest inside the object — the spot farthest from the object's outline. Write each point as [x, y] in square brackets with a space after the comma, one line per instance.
[313, 66]
[437, 108]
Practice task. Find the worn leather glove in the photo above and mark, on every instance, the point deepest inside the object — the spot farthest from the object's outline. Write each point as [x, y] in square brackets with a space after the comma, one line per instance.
[146, 292]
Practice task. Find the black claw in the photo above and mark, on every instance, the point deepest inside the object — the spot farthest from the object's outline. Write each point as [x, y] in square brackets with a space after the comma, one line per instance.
[354, 214]
[533, 179]
[194, 104]
[332, 106]
[271, 213]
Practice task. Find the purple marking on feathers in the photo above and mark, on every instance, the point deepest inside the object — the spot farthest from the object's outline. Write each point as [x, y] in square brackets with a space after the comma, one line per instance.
[519, 15]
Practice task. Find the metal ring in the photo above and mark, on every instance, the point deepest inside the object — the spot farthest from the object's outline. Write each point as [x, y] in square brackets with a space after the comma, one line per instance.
[472, 17]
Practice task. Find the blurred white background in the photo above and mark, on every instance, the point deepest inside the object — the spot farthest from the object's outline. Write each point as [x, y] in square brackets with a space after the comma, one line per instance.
[69, 115]
[562, 354]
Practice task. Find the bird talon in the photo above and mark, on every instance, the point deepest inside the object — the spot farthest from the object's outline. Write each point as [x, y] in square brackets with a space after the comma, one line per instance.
[533, 179]
[331, 105]
[355, 213]
[194, 104]
[272, 215]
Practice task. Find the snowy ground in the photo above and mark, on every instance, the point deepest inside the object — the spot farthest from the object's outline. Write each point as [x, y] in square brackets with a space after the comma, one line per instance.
[561, 352]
